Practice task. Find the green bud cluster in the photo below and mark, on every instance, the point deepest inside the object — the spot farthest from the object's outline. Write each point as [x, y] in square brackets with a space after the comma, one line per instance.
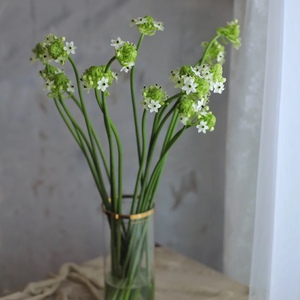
[153, 95]
[154, 92]
[52, 48]
[186, 107]
[126, 55]
[231, 33]
[147, 25]
[56, 81]
[94, 74]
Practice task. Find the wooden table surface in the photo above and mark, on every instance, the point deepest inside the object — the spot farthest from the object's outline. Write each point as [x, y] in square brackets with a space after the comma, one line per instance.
[176, 278]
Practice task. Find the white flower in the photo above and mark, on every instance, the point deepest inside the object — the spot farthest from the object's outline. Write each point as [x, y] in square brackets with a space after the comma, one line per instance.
[189, 86]
[196, 71]
[154, 105]
[220, 57]
[159, 25]
[70, 48]
[202, 127]
[118, 43]
[115, 76]
[48, 85]
[71, 87]
[183, 119]
[145, 103]
[187, 79]
[179, 83]
[219, 87]
[206, 75]
[49, 38]
[175, 75]
[58, 71]
[60, 60]
[128, 67]
[102, 84]
[199, 105]
[204, 68]
[86, 86]
[140, 21]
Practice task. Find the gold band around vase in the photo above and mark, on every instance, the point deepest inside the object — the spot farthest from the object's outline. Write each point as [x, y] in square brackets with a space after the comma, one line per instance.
[128, 217]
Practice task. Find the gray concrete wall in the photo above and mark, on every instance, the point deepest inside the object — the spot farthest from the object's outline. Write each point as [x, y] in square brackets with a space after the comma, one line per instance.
[49, 206]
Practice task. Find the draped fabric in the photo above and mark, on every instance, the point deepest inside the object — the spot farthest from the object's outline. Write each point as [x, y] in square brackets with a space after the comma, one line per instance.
[262, 217]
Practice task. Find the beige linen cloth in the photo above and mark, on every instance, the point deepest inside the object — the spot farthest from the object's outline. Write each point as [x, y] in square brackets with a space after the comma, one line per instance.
[176, 278]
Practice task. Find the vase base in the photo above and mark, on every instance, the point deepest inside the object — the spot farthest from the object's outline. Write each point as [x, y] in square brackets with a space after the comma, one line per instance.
[135, 292]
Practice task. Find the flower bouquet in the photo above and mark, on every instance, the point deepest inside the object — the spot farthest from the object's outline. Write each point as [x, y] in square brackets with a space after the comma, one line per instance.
[129, 268]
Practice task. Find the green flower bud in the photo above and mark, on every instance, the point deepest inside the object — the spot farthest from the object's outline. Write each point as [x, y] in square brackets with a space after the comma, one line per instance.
[210, 119]
[56, 49]
[40, 52]
[91, 77]
[59, 84]
[186, 107]
[126, 55]
[217, 71]
[202, 87]
[185, 70]
[147, 25]
[154, 92]
[231, 33]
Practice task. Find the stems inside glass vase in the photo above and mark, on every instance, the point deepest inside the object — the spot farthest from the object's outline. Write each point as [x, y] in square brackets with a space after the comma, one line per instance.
[129, 259]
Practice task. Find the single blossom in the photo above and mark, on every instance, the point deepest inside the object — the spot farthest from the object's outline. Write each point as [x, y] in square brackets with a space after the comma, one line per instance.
[220, 57]
[154, 105]
[200, 105]
[189, 86]
[70, 48]
[48, 85]
[118, 43]
[183, 119]
[71, 87]
[127, 68]
[219, 87]
[202, 127]
[102, 84]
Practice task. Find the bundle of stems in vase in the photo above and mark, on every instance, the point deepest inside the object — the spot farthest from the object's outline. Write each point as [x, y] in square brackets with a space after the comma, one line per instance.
[187, 108]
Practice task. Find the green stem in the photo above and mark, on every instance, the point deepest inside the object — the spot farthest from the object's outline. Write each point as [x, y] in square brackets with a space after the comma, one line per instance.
[153, 140]
[120, 152]
[153, 182]
[133, 100]
[78, 135]
[100, 149]
[202, 60]
[86, 118]
[113, 192]
[140, 172]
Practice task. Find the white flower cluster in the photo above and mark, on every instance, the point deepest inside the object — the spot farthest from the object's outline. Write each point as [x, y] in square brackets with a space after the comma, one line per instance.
[197, 83]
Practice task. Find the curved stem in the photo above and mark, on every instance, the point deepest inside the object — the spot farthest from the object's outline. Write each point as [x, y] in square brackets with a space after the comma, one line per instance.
[85, 114]
[113, 192]
[78, 138]
[120, 153]
[100, 149]
[202, 60]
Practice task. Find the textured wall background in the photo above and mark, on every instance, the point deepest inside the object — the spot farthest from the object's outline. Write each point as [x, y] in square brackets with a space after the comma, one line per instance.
[49, 207]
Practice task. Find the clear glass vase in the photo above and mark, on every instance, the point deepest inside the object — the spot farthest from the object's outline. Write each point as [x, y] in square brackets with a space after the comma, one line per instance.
[129, 254]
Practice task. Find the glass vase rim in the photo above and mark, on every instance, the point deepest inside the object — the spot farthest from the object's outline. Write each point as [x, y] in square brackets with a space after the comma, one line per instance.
[135, 216]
